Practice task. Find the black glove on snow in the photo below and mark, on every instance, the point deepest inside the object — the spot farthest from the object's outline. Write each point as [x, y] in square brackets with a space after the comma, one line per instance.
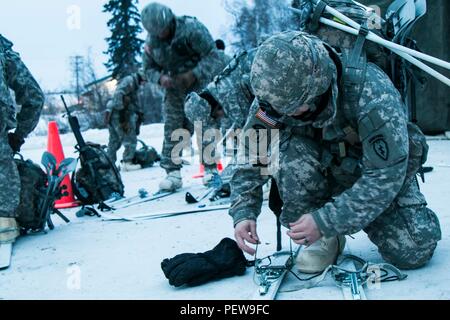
[193, 269]
[15, 141]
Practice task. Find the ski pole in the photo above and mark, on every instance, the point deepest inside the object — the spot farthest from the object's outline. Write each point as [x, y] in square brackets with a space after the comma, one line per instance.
[372, 37]
[390, 45]
[409, 58]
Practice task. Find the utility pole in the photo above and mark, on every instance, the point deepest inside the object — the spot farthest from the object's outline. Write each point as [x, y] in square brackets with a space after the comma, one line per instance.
[77, 67]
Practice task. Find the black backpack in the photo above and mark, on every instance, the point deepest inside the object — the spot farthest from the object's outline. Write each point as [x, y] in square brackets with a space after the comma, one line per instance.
[98, 179]
[39, 191]
[146, 156]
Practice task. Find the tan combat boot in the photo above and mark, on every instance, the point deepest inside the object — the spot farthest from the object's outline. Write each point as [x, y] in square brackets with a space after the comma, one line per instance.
[320, 255]
[172, 182]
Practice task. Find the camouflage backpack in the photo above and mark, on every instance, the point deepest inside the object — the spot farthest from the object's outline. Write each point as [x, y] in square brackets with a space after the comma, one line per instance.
[146, 156]
[39, 191]
[401, 17]
[342, 41]
[33, 182]
[98, 179]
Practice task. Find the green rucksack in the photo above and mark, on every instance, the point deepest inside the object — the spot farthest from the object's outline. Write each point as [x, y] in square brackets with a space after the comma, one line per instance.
[341, 40]
[33, 181]
[401, 17]
[98, 179]
[39, 191]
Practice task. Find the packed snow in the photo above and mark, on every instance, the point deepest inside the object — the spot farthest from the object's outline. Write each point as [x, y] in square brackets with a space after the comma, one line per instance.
[90, 258]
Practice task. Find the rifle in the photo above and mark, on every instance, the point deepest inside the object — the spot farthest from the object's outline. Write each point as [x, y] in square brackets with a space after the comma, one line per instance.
[88, 157]
[75, 126]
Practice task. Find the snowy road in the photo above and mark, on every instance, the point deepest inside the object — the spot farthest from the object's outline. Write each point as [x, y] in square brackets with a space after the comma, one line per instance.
[93, 259]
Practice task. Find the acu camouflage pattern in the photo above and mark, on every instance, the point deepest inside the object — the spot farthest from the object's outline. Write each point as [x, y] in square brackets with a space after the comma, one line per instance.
[231, 91]
[125, 111]
[33, 182]
[156, 18]
[281, 67]
[355, 170]
[191, 48]
[14, 75]
[106, 178]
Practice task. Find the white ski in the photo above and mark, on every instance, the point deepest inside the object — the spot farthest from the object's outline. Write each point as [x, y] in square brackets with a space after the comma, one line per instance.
[142, 194]
[129, 203]
[162, 214]
[5, 255]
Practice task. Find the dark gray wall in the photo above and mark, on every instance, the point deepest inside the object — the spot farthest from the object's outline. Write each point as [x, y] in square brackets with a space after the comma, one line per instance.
[433, 36]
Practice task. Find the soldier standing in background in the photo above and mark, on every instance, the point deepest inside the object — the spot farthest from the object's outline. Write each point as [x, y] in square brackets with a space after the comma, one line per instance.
[227, 99]
[181, 56]
[124, 117]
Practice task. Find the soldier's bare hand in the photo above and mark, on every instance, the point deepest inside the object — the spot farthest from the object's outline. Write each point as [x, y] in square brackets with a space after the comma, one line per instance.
[245, 231]
[305, 231]
[166, 82]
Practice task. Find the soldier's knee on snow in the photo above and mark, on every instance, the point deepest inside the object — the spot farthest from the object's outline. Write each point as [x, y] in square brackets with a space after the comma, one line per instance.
[414, 259]
[407, 237]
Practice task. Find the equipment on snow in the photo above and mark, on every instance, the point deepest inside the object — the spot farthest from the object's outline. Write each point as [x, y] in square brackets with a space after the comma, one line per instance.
[163, 214]
[40, 190]
[270, 272]
[141, 200]
[214, 186]
[348, 25]
[146, 156]
[98, 179]
[194, 269]
[351, 274]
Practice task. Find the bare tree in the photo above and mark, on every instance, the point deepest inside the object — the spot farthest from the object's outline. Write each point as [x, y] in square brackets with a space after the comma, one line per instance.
[99, 92]
[254, 22]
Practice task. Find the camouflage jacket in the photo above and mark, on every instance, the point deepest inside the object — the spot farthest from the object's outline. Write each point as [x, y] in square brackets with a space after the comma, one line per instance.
[366, 140]
[231, 89]
[126, 95]
[191, 48]
[15, 75]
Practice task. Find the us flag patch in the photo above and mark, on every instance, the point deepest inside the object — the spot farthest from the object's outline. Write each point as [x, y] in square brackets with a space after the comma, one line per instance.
[273, 123]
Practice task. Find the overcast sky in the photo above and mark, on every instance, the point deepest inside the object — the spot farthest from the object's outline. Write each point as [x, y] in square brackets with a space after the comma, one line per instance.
[46, 32]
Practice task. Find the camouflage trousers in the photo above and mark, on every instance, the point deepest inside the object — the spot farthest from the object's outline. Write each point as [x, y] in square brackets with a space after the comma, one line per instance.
[406, 234]
[174, 119]
[120, 134]
[9, 180]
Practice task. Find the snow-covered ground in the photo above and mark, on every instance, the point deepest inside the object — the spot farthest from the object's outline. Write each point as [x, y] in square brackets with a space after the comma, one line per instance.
[95, 259]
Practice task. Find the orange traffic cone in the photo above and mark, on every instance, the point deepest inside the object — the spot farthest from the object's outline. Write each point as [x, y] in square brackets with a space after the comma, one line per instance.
[201, 174]
[54, 147]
